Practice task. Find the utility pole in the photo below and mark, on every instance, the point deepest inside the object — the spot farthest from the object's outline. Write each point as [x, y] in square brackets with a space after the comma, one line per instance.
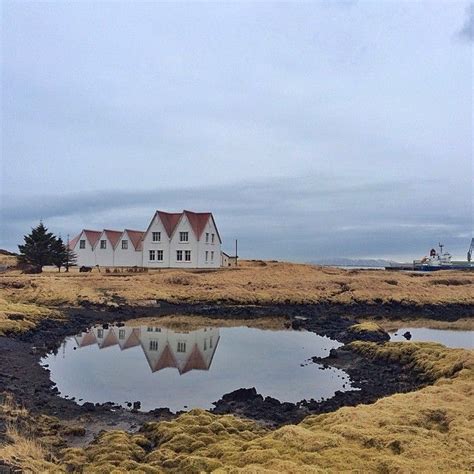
[236, 254]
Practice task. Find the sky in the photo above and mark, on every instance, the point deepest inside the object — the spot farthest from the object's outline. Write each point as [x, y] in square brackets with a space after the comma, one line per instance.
[309, 129]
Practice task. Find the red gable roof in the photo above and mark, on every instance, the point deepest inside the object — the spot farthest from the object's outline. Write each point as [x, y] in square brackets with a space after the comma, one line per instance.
[113, 236]
[92, 236]
[136, 237]
[169, 220]
[198, 221]
[73, 242]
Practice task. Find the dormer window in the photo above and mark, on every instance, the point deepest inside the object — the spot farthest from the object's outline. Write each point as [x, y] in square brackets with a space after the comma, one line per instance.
[207, 237]
[82, 244]
[183, 236]
[156, 236]
[212, 238]
[103, 244]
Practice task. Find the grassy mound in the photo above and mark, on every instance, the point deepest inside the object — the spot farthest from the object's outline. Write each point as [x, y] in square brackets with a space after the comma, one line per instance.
[428, 430]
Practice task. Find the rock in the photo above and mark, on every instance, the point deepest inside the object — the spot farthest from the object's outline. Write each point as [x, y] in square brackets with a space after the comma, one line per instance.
[88, 406]
[241, 395]
[137, 405]
[407, 335]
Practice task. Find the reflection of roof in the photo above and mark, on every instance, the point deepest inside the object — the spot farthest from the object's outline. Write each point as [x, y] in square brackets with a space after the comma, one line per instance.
[166, 360]
[86, 339]
[109, 340]
[133, 340]
[195, 361]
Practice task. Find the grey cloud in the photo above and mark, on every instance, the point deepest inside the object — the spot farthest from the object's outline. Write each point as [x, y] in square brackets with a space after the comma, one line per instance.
[287, 218]
[467, 31]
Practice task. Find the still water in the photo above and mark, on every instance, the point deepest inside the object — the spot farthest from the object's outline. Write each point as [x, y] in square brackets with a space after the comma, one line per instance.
[161, 367]
[448, 337]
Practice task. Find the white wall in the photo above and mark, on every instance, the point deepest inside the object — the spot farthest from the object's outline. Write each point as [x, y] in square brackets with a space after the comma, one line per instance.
[104, 257]
[148, 244]
[85, 257]
[209, 247]
[192, 245]
[129, 257]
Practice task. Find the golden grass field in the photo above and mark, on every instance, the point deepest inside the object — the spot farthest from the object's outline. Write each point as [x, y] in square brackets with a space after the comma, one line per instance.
[430, 430]
[253, 282]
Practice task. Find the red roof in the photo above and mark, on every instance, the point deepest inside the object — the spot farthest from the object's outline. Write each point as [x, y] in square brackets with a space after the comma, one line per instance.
[113, 236]
[136, 237]
[73, 242]
[109, 340]
[198, 221]
[92, 236]
[169, 220]
[133, 340]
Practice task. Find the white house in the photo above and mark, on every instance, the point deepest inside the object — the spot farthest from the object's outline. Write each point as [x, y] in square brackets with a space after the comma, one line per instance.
[172, 240]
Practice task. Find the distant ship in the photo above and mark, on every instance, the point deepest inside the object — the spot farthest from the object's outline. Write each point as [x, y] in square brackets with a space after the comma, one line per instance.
[435, 261]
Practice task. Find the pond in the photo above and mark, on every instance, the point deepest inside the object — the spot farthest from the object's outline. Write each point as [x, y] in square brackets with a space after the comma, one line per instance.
[161, 367]
[448, 337]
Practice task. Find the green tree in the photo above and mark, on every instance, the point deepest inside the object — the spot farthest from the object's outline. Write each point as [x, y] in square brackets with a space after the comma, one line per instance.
[36, 250]
[58, 253]
[71, 257]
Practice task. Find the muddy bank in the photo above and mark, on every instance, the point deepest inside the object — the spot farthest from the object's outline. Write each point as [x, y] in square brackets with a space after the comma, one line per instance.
[21, 374]
[370, 379]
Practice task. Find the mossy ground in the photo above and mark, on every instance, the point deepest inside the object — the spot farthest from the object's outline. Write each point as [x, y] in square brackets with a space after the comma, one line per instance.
[430, 430]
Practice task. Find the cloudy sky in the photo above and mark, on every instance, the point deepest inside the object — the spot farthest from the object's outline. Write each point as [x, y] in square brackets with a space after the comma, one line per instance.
[315, 129]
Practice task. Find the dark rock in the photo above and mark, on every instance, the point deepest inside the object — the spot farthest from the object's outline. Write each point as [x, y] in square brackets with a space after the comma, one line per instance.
[137, 405]
[407, 335]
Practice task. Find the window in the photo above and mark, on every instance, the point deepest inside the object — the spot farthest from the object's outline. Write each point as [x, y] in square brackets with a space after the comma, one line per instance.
[153, 345]
[179, 255]
[183, 236]
[121, 333]
[100, 333]
[157, 329]
[149, 329]
[82, 244]
[159, 255]
[212, 238]
[210, 342]
[212, 256]
[205, 344]
[152, 255]
[181, 347]
[207, 237]
[187, 255]
[124, 244]
[103, 244]
[156, 236]
[207, 255]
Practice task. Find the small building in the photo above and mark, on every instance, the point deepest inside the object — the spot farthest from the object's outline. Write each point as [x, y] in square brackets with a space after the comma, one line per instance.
[228, 260]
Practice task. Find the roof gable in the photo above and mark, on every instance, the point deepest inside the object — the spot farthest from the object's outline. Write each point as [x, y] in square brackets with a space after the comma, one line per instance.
[197, 221]
[113, 236]
[135, 237]
[169, 220]
[92, 236]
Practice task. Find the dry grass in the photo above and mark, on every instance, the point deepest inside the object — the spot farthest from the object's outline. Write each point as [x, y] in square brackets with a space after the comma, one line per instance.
[28, 441]
[191, 323]
[248, 284]
[430, 430]
[462, 324]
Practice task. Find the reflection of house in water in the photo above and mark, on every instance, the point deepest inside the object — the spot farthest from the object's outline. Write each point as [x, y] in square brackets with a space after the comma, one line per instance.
[163, 347]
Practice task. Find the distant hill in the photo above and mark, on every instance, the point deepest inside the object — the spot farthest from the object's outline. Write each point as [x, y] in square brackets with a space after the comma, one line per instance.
[352, 262]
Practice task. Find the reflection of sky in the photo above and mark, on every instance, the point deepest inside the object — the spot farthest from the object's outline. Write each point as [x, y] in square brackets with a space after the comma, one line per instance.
[450, 338]
[270, 361]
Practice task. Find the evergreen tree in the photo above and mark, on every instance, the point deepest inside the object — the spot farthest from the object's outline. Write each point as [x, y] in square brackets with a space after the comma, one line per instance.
[37, 248]
[58, 253]
[71, 257]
